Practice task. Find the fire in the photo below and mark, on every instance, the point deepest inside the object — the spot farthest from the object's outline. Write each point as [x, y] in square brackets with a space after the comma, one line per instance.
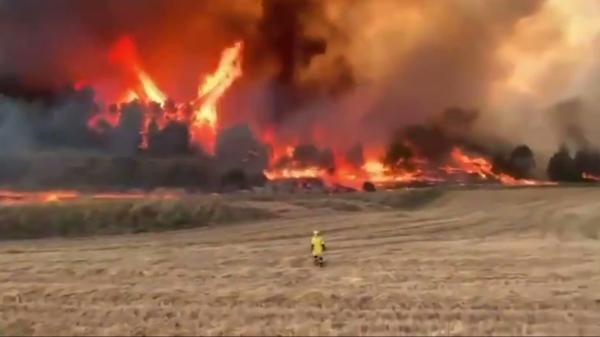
[374, 170]
[377, 172]
[124, 53]
[78, 85]
[202, 123]
[134, 196]
[344, 173]
[46, 196]
[150, 89]
[211, 90]
[129, 96]
[483, 168]
[464, 163]
[20, 197]
[590, 176]
[58, 196]
[200, 114]
[287, 173]
[277, 150]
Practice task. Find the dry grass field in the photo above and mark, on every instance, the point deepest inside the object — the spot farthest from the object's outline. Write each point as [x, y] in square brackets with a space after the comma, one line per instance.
[471, 262]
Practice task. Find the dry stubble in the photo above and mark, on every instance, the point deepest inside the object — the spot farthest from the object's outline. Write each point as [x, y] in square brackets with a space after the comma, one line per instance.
[460, 263]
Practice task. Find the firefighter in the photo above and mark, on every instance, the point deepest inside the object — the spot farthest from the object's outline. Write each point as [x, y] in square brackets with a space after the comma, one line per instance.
[317, 247]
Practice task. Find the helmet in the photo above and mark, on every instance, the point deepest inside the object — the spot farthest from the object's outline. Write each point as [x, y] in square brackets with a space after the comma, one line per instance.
[315, 232]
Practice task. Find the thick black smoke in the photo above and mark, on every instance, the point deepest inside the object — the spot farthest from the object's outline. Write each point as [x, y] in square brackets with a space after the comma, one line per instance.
[77, 34]
[47, 143]
[355, 155]
[177, 41]
[307, 156]
[48, 122]
[61, 122]
[453, 128]
[282, 28]
[359, 70]
[576, 159]
[284, 36]
[583, 166]
[436, 139]
[53, 43]
[237, 148]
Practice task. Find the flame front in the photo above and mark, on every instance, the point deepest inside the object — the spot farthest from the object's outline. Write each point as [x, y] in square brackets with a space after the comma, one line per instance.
[9, 196]
[202, 119]
[20, 197]
[589, 176]
[483, 168]
[210, 91]
[124, 53]
[376, 171]
[151, 91]
[202, 123]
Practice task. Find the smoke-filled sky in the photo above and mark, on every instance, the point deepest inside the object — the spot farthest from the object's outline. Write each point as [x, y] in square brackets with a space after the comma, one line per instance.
[335, 69]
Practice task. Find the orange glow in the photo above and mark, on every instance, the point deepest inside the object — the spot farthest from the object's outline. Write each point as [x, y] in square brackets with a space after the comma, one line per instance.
[124, 53]
[286, 173]
[20, 197]
[134, 196]
[57, 196]
[484, 169]
[375, 171]
[344, 173]
[201, 116]
[151, 91]
[78, 85]
[129, 96]
[202, 123]
[210, 91]
[464, 163]
[589, 176]
[9, 196]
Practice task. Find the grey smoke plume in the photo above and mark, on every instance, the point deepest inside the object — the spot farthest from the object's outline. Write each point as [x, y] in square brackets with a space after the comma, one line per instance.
[15, 134]
[237, 148]
[331, 72]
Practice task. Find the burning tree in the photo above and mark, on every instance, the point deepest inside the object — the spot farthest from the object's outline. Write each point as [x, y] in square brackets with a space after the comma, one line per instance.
[145, 121]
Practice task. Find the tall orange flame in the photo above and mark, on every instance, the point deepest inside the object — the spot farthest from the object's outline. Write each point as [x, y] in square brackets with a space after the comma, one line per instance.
[483, 168]
[203, 122]
[202, 119]
[210, 91]
[124, 53]
[151, 91]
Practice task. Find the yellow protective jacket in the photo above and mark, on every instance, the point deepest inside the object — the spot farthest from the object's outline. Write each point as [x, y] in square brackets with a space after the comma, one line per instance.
[317, 245]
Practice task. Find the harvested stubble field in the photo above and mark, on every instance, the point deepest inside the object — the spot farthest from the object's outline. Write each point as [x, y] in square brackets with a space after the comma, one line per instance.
[436, 262]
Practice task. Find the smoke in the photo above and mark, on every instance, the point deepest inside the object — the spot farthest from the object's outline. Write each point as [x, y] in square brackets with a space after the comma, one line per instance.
[55, 43]
[14, 133]
[551, 61]
[414, 59]
[376, 66]
[237, 148]
[331, 73]
[511, 60]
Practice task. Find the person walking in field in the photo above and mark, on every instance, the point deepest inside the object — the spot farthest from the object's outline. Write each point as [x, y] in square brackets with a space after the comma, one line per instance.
[317, 247]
